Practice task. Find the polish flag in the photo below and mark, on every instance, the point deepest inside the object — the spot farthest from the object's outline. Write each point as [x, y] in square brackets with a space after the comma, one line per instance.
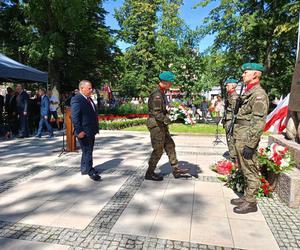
[277, 116]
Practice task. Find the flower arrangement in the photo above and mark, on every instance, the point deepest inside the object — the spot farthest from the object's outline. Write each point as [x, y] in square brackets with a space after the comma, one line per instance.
[275, 158]
[234, 179]
[182, 113]
[265, 189]
[223, 167]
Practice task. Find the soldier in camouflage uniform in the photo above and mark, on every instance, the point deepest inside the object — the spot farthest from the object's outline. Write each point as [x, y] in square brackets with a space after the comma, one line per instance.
[157, 124]
[248, 129]
[229, 108]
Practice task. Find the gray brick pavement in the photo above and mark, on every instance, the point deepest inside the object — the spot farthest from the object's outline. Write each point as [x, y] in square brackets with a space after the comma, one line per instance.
[284, 222]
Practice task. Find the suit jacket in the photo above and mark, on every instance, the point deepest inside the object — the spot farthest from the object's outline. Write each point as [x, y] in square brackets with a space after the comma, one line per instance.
[1, 103]
[84, 117]
[22, 102]
[11, 104]
[45, 106]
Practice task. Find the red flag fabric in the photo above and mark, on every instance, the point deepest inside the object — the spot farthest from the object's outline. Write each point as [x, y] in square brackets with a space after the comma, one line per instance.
[278, 115]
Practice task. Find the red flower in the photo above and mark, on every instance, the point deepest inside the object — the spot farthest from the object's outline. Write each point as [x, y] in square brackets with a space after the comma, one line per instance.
[263, 180]
[224, 167]
[261, 151]
[265, 186]
[278, 163]
[266, 192]
[284, 151]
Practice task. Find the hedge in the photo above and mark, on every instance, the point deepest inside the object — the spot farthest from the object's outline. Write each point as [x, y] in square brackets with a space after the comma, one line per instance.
[126, 109]
[120, 124]
[121, 117]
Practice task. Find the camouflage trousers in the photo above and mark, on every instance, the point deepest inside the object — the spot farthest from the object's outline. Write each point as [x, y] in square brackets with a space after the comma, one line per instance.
[161, 140]
[250, 171]
[230, 141]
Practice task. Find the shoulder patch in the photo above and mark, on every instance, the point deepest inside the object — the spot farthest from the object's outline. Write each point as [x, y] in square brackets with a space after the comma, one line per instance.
[259, 98]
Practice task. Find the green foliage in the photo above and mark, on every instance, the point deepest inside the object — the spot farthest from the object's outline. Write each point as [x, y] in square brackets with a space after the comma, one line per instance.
[126, 109]
[203, 129]
[271, 166]
[236, 180]
[264, 31]
[138, 21]
[160, 41]
[121, 124]
[66, 38]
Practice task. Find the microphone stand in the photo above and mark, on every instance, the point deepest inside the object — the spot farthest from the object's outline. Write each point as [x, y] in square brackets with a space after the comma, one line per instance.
[63, 149]
[218, 137]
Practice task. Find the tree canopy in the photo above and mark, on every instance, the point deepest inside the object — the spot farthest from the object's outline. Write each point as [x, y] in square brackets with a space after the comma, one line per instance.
[264, 31]
[71, 41]
[66, 38]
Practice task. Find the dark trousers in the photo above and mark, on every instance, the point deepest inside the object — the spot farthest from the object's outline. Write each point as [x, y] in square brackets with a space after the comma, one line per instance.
[45, 122]
[87, 146]
[23, 125]
[13, 124]
[161, 140]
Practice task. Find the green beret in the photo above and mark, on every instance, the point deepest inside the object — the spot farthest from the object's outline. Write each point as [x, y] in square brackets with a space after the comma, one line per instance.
[253, 66]
[231, 80]
[167, 76]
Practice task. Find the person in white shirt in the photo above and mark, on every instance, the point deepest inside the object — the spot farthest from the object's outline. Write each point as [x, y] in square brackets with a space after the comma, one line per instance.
[54, 105]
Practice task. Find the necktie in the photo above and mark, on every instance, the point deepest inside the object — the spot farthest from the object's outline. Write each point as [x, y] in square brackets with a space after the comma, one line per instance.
[91, 102]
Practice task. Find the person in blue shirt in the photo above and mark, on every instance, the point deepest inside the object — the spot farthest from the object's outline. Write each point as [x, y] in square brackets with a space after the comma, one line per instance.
[44, 112]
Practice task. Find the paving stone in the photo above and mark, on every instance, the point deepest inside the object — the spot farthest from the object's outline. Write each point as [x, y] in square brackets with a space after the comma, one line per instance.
[97, 235]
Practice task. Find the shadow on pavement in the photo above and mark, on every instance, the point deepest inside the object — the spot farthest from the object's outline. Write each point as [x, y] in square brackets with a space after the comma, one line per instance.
[194, 169]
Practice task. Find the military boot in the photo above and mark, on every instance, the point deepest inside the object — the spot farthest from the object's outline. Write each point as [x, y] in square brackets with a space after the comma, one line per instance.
[153, 176]
[179, 172]
[246, 207]
[237, 201]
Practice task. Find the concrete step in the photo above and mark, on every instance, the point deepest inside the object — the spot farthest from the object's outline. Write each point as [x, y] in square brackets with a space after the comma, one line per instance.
[288, 188]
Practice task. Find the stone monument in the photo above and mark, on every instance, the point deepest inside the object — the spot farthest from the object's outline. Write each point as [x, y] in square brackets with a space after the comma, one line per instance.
[293, 118]
[288, 187]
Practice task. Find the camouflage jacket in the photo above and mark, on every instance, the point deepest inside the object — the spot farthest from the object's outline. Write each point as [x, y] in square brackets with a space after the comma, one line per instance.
[231, 100]
[157, 105]
[251, 117]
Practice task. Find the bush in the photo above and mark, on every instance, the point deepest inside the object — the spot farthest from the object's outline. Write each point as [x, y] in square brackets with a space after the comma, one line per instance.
[120, 124]
[126, 109]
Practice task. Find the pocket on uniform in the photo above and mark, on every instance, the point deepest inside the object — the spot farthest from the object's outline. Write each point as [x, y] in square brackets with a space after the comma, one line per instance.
[156, 134]
[151, 123]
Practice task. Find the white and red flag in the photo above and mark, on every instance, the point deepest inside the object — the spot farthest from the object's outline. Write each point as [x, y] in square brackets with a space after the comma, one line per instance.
[277, 117]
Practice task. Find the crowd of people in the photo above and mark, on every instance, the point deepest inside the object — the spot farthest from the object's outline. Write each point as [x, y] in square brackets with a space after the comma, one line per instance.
[20, 112]
[206, 110]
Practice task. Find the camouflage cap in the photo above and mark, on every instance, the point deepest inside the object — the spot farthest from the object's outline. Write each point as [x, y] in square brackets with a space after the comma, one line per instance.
[231, 80]
[167, 76]
[253, 66]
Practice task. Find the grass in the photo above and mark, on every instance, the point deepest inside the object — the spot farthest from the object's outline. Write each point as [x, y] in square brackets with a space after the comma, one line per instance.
[182, 128]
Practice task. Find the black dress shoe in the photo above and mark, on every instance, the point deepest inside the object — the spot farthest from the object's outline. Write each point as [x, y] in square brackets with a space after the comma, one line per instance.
[245, 208]
[95, 177]
[237, 201]
[153, 177]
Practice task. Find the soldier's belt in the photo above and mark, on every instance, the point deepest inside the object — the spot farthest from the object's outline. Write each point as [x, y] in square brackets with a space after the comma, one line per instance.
[243, 122]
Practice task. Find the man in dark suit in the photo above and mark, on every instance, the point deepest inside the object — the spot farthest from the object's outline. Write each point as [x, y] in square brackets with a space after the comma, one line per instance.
[84, 116]
[1, 108]
[44, 111]
[11, 110]
[22, 110]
